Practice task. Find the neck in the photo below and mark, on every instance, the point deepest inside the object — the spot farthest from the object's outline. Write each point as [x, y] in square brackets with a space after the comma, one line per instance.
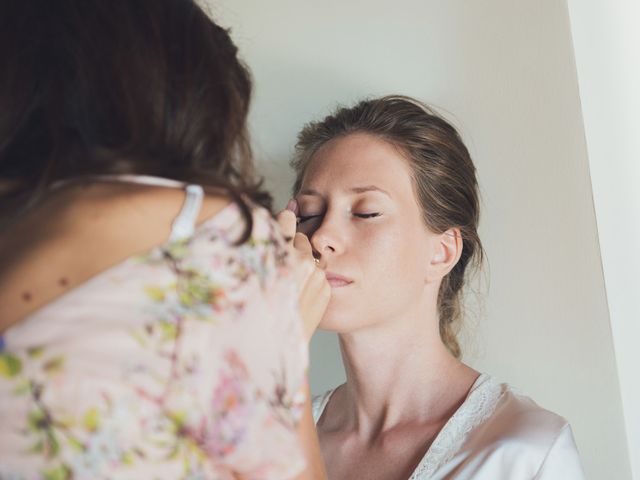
[400, 373]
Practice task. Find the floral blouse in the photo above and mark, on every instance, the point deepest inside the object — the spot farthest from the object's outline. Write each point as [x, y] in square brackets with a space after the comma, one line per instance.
[186, 362]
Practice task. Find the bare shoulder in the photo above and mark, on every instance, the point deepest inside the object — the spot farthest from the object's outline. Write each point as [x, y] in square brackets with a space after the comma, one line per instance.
[75, 233]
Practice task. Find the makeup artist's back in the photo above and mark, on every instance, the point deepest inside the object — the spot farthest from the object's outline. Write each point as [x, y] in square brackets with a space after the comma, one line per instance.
[149, 322]
[80, 230]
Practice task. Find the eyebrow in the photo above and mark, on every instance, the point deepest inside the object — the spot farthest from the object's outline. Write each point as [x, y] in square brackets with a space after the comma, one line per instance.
[363, 189]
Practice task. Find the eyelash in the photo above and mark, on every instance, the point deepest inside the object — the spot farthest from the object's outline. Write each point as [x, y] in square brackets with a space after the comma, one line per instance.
[302, 219]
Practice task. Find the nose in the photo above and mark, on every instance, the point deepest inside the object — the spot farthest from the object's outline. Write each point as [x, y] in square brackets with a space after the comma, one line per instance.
[327, 240]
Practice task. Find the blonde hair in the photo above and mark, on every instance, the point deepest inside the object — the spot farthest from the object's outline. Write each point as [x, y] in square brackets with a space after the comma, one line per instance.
[443, 175]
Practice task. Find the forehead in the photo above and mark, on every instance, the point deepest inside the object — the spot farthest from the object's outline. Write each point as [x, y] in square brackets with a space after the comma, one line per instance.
[358, 159]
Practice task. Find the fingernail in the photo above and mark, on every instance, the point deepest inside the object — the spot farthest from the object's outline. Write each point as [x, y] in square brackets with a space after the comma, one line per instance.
[293, 205]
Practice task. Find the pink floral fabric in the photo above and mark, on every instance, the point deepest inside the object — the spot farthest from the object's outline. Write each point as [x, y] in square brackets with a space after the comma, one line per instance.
[187, 362]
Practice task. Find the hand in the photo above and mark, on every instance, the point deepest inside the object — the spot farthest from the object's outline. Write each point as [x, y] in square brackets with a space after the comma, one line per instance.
[313, 286]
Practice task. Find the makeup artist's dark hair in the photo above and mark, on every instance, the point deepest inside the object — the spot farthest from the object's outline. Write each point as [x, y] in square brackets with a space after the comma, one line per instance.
[151, 87]
[443, 174]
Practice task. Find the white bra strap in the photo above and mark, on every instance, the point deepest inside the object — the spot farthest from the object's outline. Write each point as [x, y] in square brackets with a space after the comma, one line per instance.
[124, 178]
[185, 223]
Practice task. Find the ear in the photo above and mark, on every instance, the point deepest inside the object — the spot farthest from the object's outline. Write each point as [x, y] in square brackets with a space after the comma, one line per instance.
[446, 253]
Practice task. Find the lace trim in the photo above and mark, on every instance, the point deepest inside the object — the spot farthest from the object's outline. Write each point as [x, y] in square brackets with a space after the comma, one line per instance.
[479, 405]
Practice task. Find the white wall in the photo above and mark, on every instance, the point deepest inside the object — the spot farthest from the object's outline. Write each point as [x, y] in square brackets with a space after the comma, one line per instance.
[607, 45]
[505, 72]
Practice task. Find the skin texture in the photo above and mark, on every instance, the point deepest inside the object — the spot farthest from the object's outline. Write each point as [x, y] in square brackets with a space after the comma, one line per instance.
[358, 207]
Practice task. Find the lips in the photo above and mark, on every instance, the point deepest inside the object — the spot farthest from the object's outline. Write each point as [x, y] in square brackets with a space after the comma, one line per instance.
[337, 281]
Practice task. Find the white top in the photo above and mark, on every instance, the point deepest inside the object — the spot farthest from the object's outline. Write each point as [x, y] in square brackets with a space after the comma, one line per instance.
[496, 434]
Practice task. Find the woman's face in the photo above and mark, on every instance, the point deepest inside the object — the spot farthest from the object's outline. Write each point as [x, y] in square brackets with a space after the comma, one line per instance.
[358, 207]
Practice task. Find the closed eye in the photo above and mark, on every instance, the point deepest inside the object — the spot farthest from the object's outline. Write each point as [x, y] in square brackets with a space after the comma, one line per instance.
[304, 218]
[367, 215]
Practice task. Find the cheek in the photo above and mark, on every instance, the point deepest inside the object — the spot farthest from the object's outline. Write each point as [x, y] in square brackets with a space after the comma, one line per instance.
[395, 252]
[391, 279]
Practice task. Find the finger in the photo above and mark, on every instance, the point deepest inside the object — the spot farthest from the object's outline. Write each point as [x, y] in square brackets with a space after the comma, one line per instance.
[287, 221]
[301, 243]
[293, 206]
[314, 300]
[315, 287]
[305, 269]
[317, 284]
